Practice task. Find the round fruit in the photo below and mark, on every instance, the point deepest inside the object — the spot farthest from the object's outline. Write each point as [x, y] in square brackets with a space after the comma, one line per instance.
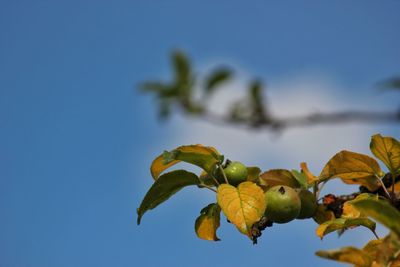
[283, 204]
[236, 173]
[308, 204]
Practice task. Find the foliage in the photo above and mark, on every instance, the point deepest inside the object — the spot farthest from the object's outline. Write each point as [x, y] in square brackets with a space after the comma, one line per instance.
[189, 93]
[246, 205]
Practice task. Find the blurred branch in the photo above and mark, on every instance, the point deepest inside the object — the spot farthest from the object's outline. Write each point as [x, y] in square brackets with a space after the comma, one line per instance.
[252, 111]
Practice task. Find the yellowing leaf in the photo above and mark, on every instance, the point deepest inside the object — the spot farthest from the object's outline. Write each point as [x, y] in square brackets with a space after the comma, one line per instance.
[207, 223]
[386, 149]
[386, 252]
[342, 224]
[372, 247]
[353, 168]
[323, 214]
[158, 166]
[199, 155]
[349, 211]
[243, 206]
[347, 254]
[311, 178]
[278, 177]
[164, 187]
[379, 210]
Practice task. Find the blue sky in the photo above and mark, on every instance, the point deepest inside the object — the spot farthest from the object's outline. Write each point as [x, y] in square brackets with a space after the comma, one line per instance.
[77, 138]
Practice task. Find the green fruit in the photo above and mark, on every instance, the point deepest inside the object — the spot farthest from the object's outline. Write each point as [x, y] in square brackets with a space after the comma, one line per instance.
[308, 204]
[283, 204]
[236, 173]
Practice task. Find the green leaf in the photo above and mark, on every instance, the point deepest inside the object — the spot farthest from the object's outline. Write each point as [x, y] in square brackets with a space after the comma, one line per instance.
[387, 149]
[379, 210]
[348, 255]
[253, 174]
[353, 168]
[279, 177]
[208, 222]
[301, 178]
[199, 155]
[243, 205]
[342, 224]
[216, 78]
[164, 187]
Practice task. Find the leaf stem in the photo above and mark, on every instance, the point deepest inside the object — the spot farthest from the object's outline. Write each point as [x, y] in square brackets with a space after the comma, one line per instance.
[223, 173]
[383, 187]
[208, 187]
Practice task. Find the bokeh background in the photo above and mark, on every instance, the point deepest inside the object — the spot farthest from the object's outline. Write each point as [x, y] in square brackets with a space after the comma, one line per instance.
[77, 138]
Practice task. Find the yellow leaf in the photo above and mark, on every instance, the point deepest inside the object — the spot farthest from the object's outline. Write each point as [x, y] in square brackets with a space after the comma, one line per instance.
[347, 254]
[386, 149]
[207, 223]
[353, 168]
[243, 206]
[311, 178]
[199, 155]
[342, 224]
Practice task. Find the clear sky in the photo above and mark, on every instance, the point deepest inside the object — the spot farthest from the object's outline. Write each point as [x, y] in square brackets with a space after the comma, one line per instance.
[77, 139]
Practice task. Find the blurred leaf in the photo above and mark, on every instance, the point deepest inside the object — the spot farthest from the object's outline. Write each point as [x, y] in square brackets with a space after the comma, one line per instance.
[164, 187]
[256, 102]
[217, 78]
[343, 223]
[348, 255]
[353, 168]
[384, 252]
[183, 81]
[387, 149]
[181, 65]
[323, 214]
[253, 174]
[372, 247]
[208, 222]
[391, 83]
[278, 177]
[199, 155]
[243, 206]
[301, 178]
[311, 178]
[155, 87]
[379, 210]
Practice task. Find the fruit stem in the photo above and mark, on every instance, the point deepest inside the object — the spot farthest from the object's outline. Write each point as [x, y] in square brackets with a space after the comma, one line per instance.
[215, 180]
[223, 173]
